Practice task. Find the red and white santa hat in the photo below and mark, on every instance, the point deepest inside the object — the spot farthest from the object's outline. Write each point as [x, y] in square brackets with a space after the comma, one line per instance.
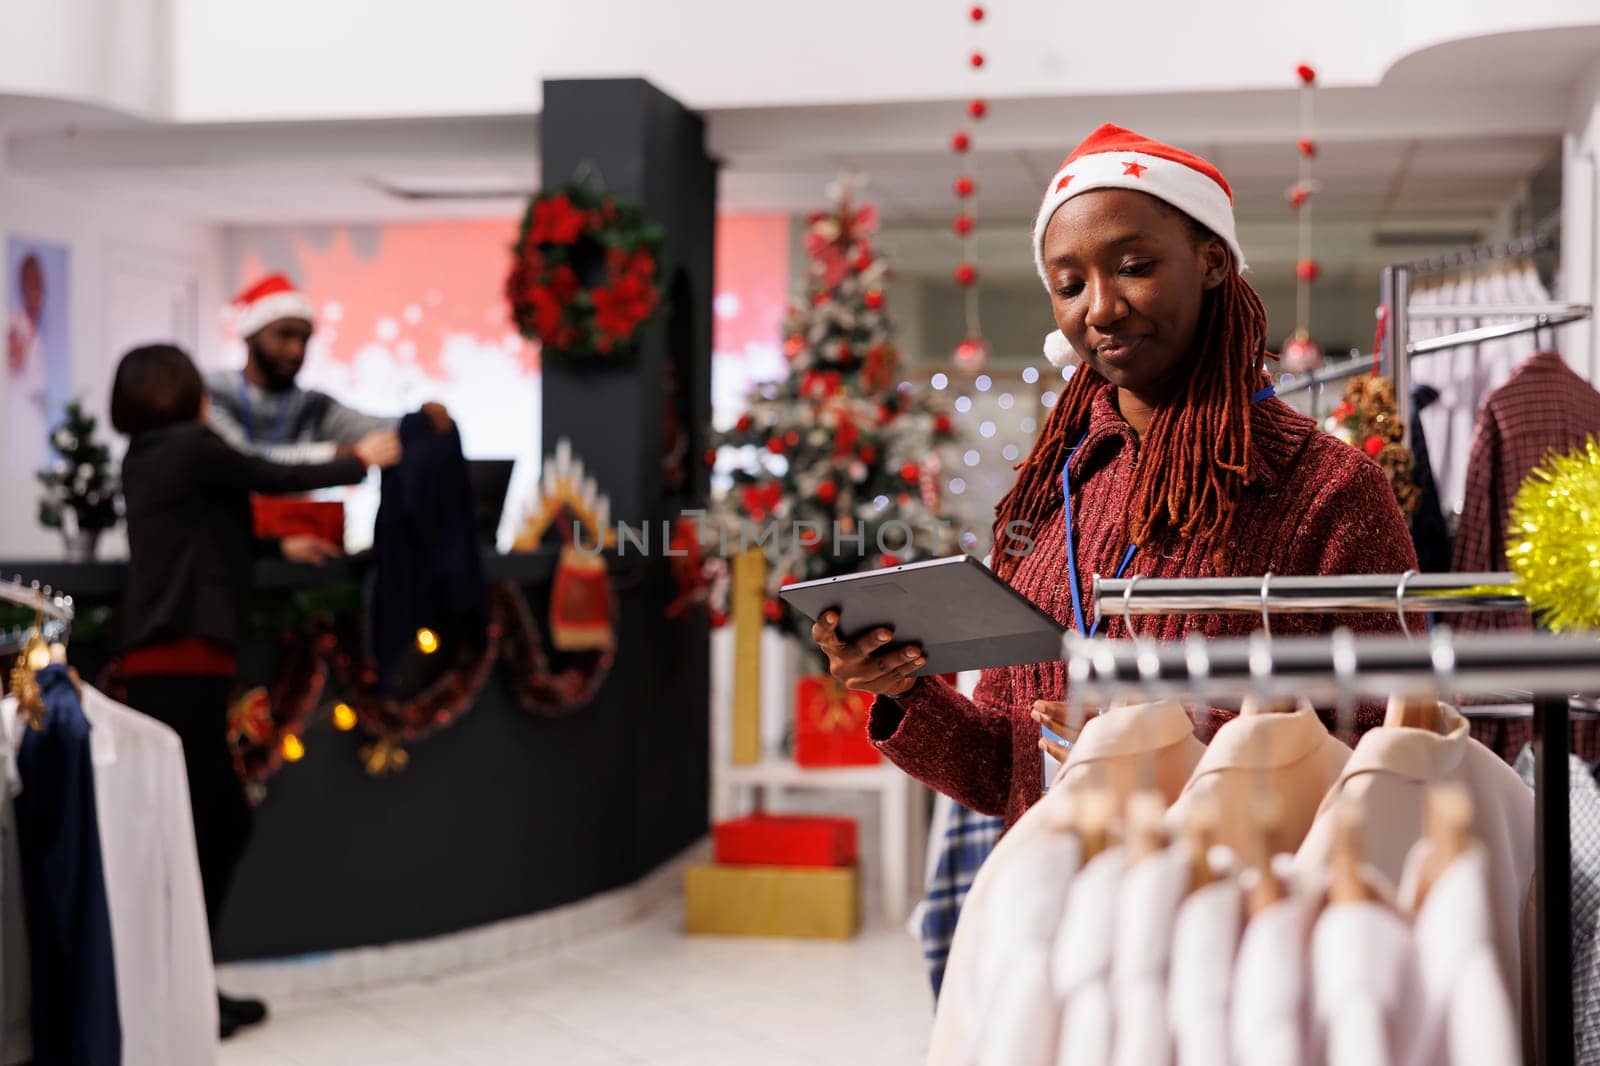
[268, 300]
[1115, 158]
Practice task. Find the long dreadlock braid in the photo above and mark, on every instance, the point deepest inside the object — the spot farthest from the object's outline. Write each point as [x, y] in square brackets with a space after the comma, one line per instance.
[1192, 468]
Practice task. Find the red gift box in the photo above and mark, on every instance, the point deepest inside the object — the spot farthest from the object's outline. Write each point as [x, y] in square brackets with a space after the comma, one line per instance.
[785, 840]
[276, 517]
[830, 727]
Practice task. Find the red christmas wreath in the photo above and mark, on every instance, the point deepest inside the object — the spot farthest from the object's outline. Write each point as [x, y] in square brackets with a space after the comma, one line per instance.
[585, 277]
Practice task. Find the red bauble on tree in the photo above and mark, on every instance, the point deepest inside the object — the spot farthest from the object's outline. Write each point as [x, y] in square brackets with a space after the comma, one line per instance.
[960, 141]
[827, 492]
[775, 446]
[965, 186]
[711, 457]
[868, 453]
[744, 424]
[772, 610]
[977, 108]
[941, 424]
[909, 471]
[966, 274]
[873, 299]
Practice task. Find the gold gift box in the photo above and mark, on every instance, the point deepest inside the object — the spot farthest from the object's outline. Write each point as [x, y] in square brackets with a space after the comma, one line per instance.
[771, 901]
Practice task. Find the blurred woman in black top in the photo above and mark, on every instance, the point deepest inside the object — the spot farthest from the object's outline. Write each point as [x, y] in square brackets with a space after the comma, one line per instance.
[191, 545]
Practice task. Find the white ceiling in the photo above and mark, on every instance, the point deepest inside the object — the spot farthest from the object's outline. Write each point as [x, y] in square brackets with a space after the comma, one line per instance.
[1445, 142]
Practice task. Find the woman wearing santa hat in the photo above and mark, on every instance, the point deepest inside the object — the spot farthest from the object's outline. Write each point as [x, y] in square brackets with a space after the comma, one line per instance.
[1167, 455]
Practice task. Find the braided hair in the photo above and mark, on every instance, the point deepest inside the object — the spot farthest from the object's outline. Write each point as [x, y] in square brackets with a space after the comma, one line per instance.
[1193, 467]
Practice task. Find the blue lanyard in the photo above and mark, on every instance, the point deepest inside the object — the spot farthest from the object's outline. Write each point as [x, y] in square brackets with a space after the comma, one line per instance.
[1072, 551]
[247, 420]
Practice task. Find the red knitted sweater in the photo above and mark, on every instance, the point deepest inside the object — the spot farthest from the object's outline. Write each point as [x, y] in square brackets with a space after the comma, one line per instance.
[1314, 506]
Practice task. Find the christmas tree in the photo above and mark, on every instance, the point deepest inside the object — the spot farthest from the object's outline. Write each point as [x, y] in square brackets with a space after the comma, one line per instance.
[79, 484]
[836, 468]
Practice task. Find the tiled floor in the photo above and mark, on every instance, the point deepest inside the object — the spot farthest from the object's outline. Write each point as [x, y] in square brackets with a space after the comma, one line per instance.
[642, 994]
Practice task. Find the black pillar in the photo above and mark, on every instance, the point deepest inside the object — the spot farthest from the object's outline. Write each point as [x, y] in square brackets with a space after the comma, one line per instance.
[626, 422]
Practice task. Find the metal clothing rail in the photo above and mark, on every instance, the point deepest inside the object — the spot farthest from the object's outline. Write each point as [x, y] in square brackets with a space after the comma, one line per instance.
[1271, 594]
[1346, 368]
[55, 612]
[1394, 300]
[1483, 253]
[1343, 667]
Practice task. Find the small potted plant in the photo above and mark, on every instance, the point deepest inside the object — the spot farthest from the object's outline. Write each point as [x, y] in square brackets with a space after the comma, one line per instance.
[80, 495]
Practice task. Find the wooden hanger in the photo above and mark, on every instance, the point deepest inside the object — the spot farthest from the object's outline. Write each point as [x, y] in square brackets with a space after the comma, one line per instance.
[1093, 811]
[1412, 711]
[1447, 827]
[1266, 818]
[1348, 885]
[1254, 705]
[1198, 835]
[1145, 833]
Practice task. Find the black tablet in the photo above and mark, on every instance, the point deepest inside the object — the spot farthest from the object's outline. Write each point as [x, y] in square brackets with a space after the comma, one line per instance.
[956, 610]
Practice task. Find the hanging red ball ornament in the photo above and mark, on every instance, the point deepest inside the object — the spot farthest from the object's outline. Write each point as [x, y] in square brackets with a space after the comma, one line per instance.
[1307, 270]
[962, 225]
[960, 142]
[794, 345]
[1300, 354]
[1299, 194]
[977, 60]
[873, 299]
[819, 299]
[773, 610]
[1306, 74]
[966, 274]
[886, 560]
[909, 471]
[868, 453]
[744, 424]
[775, 445]
[977, 108]
[827, 492]
[1307, 146]
[977, 13]
[846, 353]
[972, 355]
[941, 424]
[864, 259]
[965, 186]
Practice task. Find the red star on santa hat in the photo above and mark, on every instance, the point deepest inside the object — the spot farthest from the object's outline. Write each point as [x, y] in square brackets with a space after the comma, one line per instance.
[1062, 184]
[1136, 169]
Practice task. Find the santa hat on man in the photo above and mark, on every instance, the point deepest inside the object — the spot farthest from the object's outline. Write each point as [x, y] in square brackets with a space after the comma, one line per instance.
[268, 300]
[1115, 158]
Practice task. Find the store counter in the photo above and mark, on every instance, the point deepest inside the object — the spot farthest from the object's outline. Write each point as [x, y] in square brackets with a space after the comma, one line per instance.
[500, 814]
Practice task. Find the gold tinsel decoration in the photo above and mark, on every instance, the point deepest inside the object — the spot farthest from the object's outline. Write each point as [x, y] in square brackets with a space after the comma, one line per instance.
[1553, 539]
[1368, 419]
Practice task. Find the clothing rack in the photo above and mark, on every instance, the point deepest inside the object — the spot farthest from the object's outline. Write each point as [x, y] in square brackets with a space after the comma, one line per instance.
[55, 612]
[1395, 300]
[1273, 594]
[1342, 667]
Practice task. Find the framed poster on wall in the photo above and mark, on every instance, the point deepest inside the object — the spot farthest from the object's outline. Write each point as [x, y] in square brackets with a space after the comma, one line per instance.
[38, 364]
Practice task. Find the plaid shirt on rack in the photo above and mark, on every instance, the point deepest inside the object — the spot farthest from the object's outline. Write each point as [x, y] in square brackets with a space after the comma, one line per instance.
[967, 842]
[1544, 407]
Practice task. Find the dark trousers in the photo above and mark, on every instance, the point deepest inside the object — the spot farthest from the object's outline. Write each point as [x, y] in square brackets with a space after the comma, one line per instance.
[196, 708]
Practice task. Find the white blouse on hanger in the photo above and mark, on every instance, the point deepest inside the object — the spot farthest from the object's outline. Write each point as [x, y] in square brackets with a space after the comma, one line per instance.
[161, 947]
[1364, 979]
[1464, 1015]
[1080, 966]
[1205, 941]
[1269, 1009]
[1151, 893]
